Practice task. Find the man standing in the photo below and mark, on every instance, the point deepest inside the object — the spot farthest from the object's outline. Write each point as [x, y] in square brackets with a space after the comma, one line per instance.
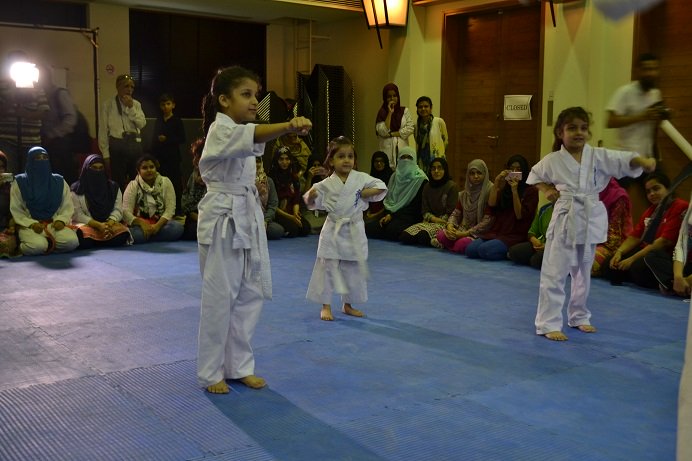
[637, 108]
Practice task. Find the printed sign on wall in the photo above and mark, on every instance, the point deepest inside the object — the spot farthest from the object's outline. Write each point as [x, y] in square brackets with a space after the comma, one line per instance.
[517, 107]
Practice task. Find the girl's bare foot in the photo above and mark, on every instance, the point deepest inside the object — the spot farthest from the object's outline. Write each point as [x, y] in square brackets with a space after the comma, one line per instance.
[556, 336]
[254, 382]
[349, 310]
[219, 388]
[326, 312]
[586, 328]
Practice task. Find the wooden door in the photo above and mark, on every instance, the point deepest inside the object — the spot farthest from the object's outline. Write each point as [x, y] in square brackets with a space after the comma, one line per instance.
[488, 54]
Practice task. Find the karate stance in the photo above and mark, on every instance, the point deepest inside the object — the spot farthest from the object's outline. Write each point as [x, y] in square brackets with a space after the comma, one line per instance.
[575, 173]
[342, 251]
[233, 255]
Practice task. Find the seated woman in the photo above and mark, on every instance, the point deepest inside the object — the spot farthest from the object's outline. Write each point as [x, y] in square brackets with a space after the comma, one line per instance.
[634, 258]
[314, 174]
[531, 253]
[98, 207]
[440, 196]
[679, 279]
[619, 207]
[8, 235]
[513, 203]
[269, 201]
[403, 203]
[149, 205]
[380, 169]
[192, 194]
[469, 218]
[284, 172]
[41, 206]
[300, 151]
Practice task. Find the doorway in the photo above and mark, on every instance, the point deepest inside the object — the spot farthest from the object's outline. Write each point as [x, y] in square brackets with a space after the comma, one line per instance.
[489, 53]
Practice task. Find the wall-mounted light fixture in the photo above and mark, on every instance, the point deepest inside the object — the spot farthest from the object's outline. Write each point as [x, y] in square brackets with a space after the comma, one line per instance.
[383, 14]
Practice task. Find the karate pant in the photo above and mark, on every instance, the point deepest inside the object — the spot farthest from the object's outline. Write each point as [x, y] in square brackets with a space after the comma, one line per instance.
[231, 306]
[32, 243]
[558, 262]
[685, 401]
[331, 276]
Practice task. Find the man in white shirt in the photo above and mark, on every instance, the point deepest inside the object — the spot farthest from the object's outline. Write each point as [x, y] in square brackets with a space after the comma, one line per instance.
[637, 108]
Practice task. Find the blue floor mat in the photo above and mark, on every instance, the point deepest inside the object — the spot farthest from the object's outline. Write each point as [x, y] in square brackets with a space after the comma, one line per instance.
[97, 354]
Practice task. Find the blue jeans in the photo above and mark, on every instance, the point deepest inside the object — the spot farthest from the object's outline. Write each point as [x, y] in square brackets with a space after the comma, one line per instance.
[171, 231]
[492, 250]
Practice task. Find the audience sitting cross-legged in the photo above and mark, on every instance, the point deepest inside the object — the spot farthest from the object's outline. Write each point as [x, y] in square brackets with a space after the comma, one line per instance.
[440, 196]
[42, 208]
[471, 216]
[149, 205]
[513, 204]
[98, 207]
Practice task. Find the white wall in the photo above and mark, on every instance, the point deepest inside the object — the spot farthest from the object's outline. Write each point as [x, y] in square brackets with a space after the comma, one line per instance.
[586, 57]
[354, 47]
[113, 23]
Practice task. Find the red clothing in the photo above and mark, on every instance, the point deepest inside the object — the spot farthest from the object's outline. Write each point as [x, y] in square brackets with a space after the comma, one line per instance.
[508, 228]
[670, 224]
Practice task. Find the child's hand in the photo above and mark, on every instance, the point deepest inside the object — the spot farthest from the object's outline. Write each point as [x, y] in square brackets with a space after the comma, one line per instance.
[552, 195]
[312, 195]
[649, 165]
[37, 227]
[162, 138]
[300, 125]
[391, 106]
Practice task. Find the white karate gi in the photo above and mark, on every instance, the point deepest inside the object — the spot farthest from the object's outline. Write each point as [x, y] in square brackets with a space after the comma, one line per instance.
[31, 243]
[343, 247]
[578, 224]
[233, 255]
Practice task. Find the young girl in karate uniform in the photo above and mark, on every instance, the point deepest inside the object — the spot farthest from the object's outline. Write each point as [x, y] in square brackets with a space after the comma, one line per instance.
[575, 173]
[233, 255]
[342, 251]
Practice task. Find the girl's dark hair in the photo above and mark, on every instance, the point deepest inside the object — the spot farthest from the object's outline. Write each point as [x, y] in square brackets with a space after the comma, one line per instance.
[3, 159]
[565, 117]
[225, 80]
[659, 177]
[333, 147]
[196, 150]
[147, 158]
[424, 98]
